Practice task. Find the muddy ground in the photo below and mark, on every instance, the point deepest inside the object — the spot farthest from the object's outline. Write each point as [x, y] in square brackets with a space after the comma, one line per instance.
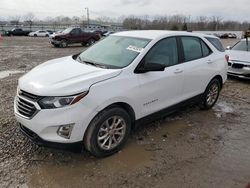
[190, 148]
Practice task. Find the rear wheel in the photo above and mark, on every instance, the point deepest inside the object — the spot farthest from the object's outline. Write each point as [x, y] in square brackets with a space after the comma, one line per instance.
[211, 94]
[108, 132]
[35, 35]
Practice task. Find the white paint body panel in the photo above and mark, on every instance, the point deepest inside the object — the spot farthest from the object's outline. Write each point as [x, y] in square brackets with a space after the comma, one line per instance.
[146, 93]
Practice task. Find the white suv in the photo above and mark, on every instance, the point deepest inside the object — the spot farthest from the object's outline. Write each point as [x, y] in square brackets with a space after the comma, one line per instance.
[97, 96]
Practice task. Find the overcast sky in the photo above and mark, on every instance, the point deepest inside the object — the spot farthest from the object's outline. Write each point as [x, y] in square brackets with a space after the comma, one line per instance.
[238, 10]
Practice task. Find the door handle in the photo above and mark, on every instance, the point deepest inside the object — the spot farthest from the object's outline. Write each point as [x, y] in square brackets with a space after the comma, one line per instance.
[209, 62]
[177, 71]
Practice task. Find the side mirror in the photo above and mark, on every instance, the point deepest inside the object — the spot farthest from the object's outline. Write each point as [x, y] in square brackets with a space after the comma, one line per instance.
[228, 48]
[149, 67]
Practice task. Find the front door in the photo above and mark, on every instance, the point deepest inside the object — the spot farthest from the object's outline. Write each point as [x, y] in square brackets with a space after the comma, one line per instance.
[161, 89]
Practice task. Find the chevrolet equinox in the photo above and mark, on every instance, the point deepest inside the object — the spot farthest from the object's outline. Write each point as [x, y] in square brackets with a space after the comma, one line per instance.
[97, 96]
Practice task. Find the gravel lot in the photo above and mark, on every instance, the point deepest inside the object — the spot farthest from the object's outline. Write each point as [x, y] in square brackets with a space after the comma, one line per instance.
[190, 148]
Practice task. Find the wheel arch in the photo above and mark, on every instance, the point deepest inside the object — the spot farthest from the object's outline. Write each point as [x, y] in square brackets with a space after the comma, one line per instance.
[218, 77]
[122, 105]
[127, 108]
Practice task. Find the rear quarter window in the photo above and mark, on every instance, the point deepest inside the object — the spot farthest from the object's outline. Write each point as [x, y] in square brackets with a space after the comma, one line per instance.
[216, 43]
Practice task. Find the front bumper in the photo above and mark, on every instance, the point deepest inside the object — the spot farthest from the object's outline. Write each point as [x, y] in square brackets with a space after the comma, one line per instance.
[39, 141]
[45, 122]
[243, 72]
[53, 41]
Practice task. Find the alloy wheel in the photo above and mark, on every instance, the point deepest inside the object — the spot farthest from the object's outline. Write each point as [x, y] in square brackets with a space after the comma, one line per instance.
[111, 133]
[212, 95]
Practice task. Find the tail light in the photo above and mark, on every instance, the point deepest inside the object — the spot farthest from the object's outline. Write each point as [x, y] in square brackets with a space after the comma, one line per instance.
[227, 57]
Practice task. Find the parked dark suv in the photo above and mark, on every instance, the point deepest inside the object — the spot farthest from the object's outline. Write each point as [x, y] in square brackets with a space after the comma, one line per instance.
[72, 36]
[17, 32]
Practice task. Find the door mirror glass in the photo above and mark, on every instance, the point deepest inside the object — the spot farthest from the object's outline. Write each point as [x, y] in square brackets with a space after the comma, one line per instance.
[150, 67]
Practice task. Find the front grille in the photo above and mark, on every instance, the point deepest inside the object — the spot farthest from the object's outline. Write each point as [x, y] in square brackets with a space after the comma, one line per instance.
[25, 108]
[237, 65]
[29, 95]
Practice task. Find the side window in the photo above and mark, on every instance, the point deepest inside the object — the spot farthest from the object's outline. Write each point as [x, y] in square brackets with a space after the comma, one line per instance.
[164, 52]
[216, 43]
[192, 48]
[75, 31]
[205, 49]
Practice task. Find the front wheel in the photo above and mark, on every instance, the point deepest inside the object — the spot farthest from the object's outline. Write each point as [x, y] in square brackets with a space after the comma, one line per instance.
[90, 42]
[56, 45]
[211, 94]
[108, 132]
[64, 44]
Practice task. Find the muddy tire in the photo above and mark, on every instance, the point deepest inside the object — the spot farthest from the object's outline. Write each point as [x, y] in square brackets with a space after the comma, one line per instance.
[56, 45]
[211, 95]
[90, 42]
[108, 132]
[64, 44]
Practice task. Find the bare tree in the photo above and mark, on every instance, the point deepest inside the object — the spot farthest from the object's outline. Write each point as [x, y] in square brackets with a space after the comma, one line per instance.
[215, 22]
[29, 18]
[15, 20]
[202, 22]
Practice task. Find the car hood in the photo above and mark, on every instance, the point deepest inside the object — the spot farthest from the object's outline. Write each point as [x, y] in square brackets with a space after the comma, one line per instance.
[63, 76]
[241, 56]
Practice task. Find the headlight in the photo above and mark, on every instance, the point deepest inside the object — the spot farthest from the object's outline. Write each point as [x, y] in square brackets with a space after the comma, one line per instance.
[59, 102]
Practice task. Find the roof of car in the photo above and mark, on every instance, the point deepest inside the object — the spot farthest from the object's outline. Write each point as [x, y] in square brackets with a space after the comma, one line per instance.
[154, 34]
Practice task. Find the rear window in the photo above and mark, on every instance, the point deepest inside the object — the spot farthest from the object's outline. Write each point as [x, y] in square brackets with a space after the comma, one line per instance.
[241, 46]
[216, 43]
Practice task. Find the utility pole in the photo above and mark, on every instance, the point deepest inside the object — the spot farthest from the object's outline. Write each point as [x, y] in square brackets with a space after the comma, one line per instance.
[87, 15]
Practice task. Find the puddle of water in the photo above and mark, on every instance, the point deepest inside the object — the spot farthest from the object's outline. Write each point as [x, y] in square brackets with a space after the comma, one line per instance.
[4, 74]
[223, 108]
[85, 171]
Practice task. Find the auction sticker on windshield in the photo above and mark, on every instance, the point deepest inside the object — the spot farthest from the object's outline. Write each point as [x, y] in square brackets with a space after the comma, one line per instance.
[135, 49]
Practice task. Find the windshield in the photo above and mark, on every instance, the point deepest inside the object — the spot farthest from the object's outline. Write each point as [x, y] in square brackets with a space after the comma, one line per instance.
[114, 51]
[66, 30]
[242, 46]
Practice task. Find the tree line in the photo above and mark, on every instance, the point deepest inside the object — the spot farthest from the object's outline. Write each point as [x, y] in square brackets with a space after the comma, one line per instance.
[182, 22]
[172, 22]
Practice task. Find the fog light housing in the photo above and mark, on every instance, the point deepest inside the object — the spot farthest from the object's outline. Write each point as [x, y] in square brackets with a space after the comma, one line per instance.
[65, 130]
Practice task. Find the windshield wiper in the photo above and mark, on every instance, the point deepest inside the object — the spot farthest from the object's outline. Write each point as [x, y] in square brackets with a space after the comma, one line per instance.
[91, 63]
[95, 64]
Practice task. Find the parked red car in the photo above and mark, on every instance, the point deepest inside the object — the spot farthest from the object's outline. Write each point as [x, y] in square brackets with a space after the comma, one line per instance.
[72, 36]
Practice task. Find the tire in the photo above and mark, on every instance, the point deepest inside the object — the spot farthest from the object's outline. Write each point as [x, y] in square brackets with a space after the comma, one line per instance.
[64, 43]
[35, 35]
[90, 42]
[46, 35]
[211, 95]
[104, 137]
[56, 45]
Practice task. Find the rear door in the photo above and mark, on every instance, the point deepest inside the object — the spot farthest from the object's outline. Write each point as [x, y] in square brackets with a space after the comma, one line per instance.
[161, 89]
[198, 65]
